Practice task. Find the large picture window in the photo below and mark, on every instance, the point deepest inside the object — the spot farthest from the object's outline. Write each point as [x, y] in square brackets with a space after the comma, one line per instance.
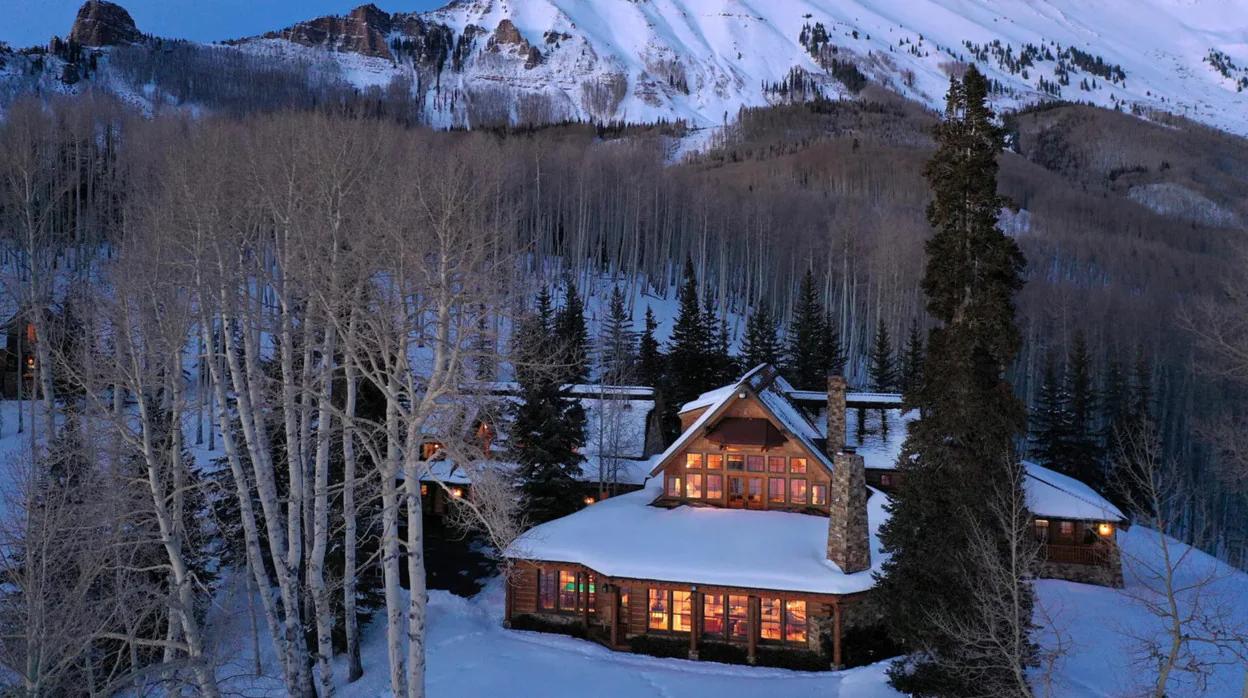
[714, 486]
[775, 490]
[738, 616]
[795, 621]
[797, 491]
[769, 620]
[567, 591]
[713, 615]
[660, 609]
[682, 611]
[725, 616]
[783, 620]
[559, 591]
[693, 486]
[547, 580]
[671, 611]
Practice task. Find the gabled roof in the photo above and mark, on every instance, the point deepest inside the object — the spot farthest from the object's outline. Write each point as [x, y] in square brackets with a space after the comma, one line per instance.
[1054, 495]
[771, 390]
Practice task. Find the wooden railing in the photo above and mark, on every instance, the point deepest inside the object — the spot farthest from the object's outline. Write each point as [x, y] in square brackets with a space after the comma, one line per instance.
[1075, 554]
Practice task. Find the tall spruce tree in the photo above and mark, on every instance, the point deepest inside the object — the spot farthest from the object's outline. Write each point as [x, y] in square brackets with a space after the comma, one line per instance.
[689, 362]
[1083, 446]
[723, 368]
[912, 361]
[807, 354]
[761, 344]
[1049, 422]
[830, 346]
[650, 360]
[959, 454]
[617, 342]
[883, 372]
[548, 428]
[571, 335]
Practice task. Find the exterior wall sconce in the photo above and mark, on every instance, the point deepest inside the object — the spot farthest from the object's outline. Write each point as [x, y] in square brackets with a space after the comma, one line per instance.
[1105, 529]
[457, 492]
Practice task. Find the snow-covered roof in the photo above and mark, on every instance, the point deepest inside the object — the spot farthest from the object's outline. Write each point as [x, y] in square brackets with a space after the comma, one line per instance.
[616, 427]
[771, 395]
[770, 550]
[1054, 495]
[628, 471]
[591, 389]
[854, 399]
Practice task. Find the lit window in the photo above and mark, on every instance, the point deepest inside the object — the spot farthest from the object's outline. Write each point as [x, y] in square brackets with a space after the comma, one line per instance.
[797, 466]
[714, 486]
[693, 487]
[1042, 529]
[754, 464]
[30, 333]
[693, 460]
[589, 500]
[682, 607]
[424, 490]
[795, 621]
[714, 461]
[456, 492]
[1068, 528]
[567, 591]
[592, 594]
[738, 615]
[660, 612]
[775, 489]
[886, 480]
[819, 495]
[429, 449]
[769, 624]
[673, 487]
[775, 464]
[797, 491]
[713, 614]
[756, 491]
[546, 583]
[736, 461]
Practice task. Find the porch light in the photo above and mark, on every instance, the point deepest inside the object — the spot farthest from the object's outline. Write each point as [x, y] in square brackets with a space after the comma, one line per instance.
[589, 500]
[1105, 529]
[457, 492]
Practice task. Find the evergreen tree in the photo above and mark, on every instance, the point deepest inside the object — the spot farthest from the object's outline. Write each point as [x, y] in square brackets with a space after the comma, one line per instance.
[571, 335]
[830, 346]
[883, 372]
[761, 345]
[1083, 448]
[959, 455]
[1049, 423]
[547, 429]
[1115, 409]
[650, 359]
[722, 368]
[1141, 415]
[912, 361]
[617, 342]
[688, 360]
[808, 356]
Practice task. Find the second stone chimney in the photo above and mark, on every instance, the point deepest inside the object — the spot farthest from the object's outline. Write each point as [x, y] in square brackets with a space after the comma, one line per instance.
[849, 539]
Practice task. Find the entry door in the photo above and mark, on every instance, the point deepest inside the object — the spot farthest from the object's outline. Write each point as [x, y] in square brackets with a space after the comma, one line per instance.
[754, 497]
[736, 492]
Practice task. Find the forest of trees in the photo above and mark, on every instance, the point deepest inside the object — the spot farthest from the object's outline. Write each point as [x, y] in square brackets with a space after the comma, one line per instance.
[310, 292]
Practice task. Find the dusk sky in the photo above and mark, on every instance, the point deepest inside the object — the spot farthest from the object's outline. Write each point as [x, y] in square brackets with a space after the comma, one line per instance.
[28, 22]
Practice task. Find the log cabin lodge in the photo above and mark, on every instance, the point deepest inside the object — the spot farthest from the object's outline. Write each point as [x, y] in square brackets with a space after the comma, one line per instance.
[756, 534]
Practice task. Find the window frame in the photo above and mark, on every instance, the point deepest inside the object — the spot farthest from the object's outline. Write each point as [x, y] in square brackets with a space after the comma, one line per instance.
[781, 461]
[797, 466]
[793, 498]
[771, 490]
[737, 458]
[819, 487]
[755, 458]
[784, 611]
[668, 596]
[674, 486]
[720, 478]
[715, 458]
[690, 461]
[691, 478]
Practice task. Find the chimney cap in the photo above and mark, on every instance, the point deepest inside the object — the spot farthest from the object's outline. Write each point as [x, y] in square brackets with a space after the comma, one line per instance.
[849, 450]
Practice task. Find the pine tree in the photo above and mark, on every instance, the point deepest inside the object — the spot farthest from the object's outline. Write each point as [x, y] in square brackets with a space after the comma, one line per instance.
[722, 368]
[912, 361]
[650, 359]
[830, 348]
[573, 339]
[617, 342]
[1049, 424]
[761, 345]
[959, 455]
[808, 354]
[883, 372]
[548, 429]
[1083, 447]
[688, 360]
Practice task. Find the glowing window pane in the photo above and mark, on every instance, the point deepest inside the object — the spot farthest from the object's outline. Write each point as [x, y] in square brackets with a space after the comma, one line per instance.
[673, 487]
[797, 491]
[714, 461]
[682, 615]
[567, 591]
[775, 464]
[756, 490]
[775, 489]
[795, 621]
[713, 614]
[546, 583]
[714, 486]
[1068, 528]
[769, 625]
[797, 466]
[754, 464]
[819, 495]
[659, 611]
[693, 488]
[693, 460]
[736, 462]
[738, 615]
[593, 592]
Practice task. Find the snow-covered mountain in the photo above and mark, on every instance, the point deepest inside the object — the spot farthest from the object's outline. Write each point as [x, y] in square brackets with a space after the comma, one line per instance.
[701, 60]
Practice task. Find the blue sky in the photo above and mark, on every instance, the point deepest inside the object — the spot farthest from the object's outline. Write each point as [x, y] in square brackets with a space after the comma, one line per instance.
[28, 22]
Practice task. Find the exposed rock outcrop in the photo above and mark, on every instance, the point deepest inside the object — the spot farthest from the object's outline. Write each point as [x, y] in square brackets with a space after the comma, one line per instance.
[506, 35]
[101, 23]
[362, 31]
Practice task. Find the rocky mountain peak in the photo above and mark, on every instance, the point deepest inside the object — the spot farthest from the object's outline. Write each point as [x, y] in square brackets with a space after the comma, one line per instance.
[362, 31]
[102, 23]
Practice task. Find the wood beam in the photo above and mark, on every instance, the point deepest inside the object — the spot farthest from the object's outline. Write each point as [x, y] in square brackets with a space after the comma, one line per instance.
[615, 616]
[695, 619]
[584, 577]
[752, 627]
[837, 664]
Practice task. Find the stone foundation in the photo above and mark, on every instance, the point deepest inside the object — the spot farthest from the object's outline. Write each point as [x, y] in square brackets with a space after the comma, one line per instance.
[1101, 575]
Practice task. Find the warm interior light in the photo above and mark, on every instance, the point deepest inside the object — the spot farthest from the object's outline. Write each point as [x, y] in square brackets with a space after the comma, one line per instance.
[1105, 529]
[456, 492]
[589, 500]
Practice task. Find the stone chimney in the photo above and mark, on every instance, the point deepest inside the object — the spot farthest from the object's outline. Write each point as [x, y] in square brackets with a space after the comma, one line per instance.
[849, 540]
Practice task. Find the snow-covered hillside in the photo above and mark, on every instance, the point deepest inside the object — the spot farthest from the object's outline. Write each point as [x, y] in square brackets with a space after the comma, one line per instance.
[701, 60]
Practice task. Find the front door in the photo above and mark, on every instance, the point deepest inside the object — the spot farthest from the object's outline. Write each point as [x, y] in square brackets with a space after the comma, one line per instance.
[754, 497]
[736, 492]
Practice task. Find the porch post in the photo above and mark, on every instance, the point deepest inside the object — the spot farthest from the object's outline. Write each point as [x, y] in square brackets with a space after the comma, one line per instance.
[584, 576]
[836, 637]
[695, 619]
[509, 604]
[753, 615]
[615, 616]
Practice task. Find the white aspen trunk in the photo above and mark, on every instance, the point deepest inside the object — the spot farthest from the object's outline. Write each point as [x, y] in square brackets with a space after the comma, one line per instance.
[395, 626]
[417, 600]
[250, 583]
[354, 667]
[320, 524]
